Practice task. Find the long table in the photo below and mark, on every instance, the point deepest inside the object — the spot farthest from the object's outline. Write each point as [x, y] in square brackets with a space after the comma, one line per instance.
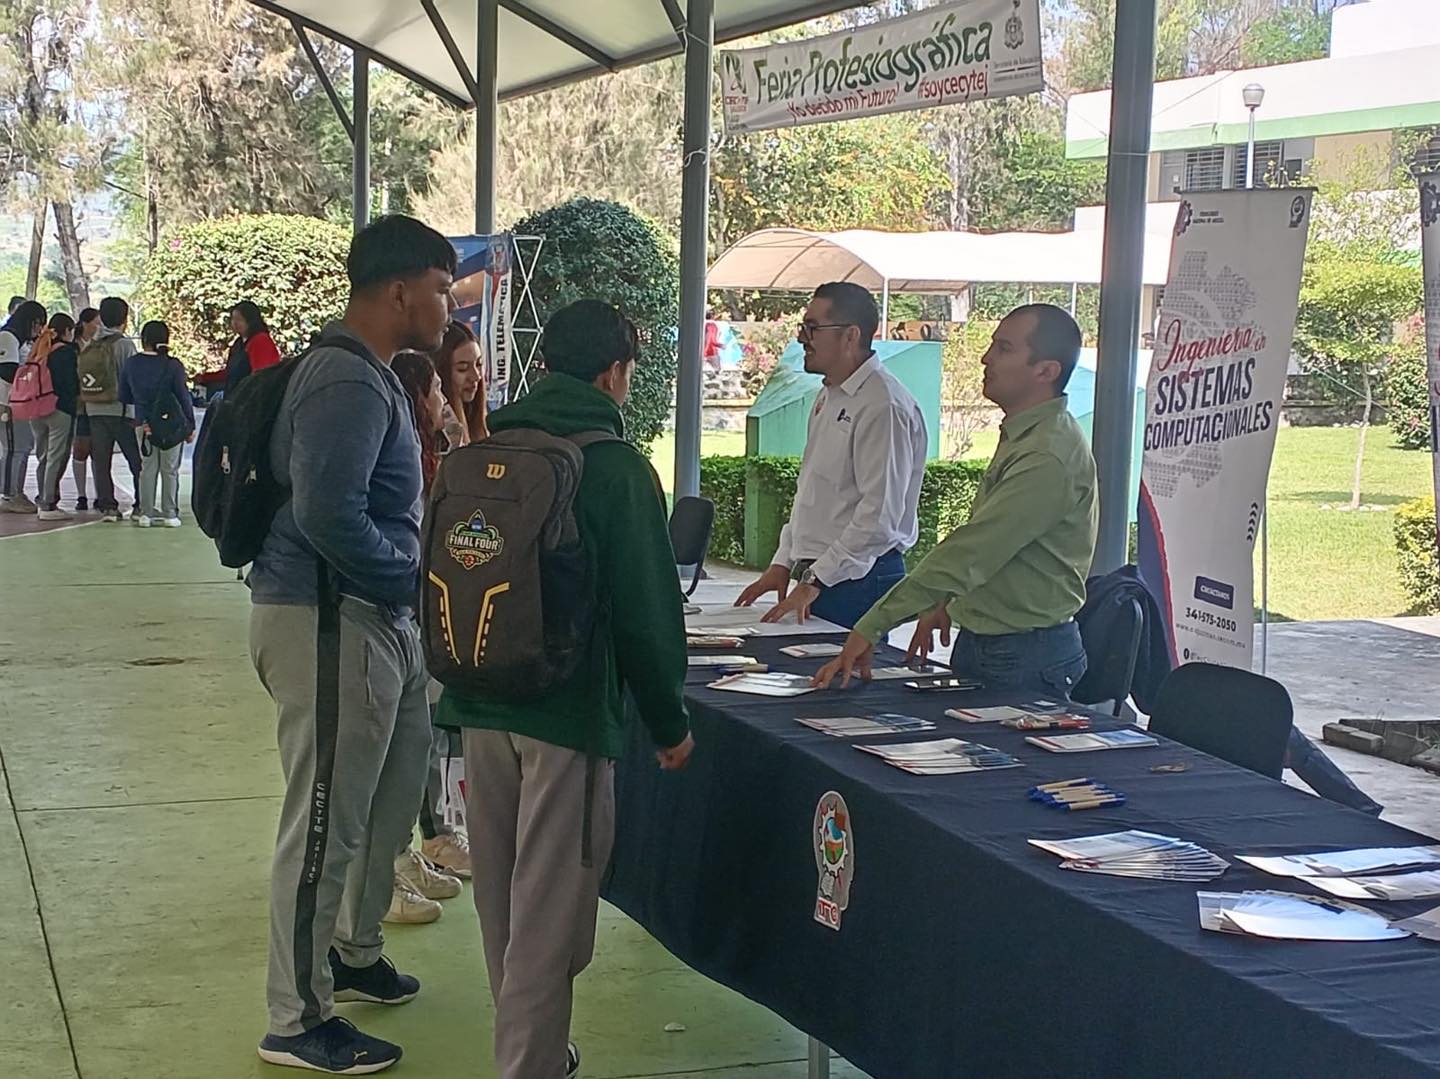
[964, 952]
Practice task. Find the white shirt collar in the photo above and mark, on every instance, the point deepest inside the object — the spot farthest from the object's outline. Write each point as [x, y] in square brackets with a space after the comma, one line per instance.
[851, 386]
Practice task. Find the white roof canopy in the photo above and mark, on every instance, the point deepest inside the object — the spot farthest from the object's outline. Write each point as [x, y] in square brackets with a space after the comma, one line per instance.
[541, 43]
[935, 262]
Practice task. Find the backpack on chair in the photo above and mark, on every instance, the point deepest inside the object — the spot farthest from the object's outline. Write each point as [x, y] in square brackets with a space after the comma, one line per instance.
[508, 597]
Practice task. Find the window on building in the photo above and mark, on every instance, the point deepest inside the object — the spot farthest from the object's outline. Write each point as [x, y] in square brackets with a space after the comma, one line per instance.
[1427, 155]
[1205, 169]
[1272, 167]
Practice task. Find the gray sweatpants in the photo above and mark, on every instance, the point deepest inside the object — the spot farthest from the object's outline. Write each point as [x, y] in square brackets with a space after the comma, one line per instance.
[17, 443]
[52, 436]
[537, 900]
[354, 733]
[159, 468]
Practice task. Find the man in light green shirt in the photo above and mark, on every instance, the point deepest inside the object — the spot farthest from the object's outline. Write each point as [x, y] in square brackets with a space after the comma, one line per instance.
[1013, 576]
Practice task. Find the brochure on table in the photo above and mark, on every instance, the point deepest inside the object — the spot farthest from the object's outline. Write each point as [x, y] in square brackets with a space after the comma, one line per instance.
[722, 618]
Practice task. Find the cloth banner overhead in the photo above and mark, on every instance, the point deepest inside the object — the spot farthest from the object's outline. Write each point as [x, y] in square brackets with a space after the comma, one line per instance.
[482, 295]
[1430, 247]
[957, 52]
[1212, 407]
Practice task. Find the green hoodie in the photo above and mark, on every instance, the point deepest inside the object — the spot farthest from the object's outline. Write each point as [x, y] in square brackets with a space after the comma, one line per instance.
[620, 510]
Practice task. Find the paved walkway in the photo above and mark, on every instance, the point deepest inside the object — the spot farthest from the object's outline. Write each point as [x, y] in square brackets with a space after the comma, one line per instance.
[136, 821]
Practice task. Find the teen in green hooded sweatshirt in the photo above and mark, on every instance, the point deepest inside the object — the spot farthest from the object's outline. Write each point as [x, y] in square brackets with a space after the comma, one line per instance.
[530, 767]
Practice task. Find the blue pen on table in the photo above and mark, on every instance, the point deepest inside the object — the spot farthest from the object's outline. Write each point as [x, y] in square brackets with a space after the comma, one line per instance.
[1071, 807]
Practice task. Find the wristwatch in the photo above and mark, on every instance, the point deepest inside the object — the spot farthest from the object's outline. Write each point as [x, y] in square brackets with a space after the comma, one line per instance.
[807, 576]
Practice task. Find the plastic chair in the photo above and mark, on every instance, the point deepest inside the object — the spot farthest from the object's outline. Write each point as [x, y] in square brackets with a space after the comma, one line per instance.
[691, 522]
[1232, 714]
[1110, 661]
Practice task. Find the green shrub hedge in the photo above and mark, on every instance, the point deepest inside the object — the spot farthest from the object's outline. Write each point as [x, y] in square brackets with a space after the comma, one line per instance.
[1419, 564]
[946, 495]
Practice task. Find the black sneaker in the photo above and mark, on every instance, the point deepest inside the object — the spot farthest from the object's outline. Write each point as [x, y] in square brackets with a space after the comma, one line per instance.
[82, 504]
[376, 984]
[335, 1046]
[572, 1061]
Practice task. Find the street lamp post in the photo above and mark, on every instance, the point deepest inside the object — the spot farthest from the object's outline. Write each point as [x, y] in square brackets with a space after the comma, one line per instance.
[1254, 96]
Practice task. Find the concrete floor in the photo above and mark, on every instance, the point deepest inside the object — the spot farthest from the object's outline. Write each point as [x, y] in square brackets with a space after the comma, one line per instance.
[139, 803]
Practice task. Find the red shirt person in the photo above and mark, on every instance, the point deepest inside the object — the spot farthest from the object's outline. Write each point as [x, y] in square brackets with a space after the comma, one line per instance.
[253, 348]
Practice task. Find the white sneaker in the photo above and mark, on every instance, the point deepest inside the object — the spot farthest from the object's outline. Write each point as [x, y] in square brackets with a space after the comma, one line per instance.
[172, 522]
[450, 852]
[423, 878]
[409, 907]
[17, 504]
[56, 514]
[143, 522]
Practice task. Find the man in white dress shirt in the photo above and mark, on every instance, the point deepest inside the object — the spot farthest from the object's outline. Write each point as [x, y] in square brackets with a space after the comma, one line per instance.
[854, 512]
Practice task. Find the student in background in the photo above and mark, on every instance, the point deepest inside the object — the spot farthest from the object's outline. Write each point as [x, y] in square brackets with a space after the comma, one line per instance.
[253, 348]
[86, 327]
[458, 362]
[149, 380]
[54, 433]
[101, 362]
[15, 302]
[417, 885]
[17, 441]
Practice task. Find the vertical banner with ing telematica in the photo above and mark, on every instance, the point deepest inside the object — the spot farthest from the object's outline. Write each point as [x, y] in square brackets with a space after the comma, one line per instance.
[1212, 407]
[482, 293]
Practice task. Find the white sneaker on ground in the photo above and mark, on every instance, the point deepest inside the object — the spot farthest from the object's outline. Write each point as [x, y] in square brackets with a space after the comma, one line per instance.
[172, 522]
[409, 907]
[56, 514]
[111, 516]
[450, 852]
[143, 522]
[424, 878]
[17, 504]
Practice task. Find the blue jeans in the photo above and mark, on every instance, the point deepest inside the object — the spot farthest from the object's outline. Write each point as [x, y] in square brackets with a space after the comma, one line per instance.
[1044, 661]
[844, 603]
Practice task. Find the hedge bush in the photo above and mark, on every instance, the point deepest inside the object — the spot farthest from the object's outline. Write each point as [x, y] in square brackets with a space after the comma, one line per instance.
[292, 266]
[1407, 395]
[604, 251]
[946, 495]
[1419, 563]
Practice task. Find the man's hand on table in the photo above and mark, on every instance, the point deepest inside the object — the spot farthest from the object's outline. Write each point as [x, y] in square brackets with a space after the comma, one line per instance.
[857, 657]
[923, 642]
[775, 579]
[676, 757]
[799, 600]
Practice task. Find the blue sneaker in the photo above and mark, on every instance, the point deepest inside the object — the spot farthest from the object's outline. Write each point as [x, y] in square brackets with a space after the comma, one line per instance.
[379, 983]
[335, 1046]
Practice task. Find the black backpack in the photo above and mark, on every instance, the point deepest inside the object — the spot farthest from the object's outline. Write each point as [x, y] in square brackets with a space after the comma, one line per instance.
[508, 598]
[166, 420]
[235, 492]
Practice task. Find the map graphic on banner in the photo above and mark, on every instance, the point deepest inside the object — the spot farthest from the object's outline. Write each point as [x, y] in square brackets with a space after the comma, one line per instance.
[1212, 406]
[945, 55]
[482, 291]
[1430, 248]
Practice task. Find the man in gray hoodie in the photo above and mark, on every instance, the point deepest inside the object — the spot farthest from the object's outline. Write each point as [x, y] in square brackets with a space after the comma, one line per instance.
[334, 640]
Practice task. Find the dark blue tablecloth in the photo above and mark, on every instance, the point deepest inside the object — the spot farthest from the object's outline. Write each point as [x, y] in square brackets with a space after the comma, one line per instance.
[967, 953]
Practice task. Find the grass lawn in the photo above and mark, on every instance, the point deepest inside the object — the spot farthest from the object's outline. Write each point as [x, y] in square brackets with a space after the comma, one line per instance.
[1326, 562]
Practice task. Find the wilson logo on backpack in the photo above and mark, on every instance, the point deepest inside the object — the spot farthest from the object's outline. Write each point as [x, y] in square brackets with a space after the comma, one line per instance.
[473, 543]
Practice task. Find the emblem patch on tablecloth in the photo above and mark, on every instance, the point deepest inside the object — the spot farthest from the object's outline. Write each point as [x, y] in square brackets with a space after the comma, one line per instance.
[834, 838]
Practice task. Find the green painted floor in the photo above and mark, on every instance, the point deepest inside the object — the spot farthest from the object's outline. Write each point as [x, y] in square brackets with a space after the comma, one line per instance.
[140, 792]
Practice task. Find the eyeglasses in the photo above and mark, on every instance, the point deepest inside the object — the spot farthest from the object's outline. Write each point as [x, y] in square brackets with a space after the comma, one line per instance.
[806, 330]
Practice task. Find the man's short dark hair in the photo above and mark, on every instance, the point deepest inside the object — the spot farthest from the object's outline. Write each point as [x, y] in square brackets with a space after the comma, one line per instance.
[1055, 337]
[15, 301]
[396, 248]
[585, 339]
[853, 305]
[113, 312]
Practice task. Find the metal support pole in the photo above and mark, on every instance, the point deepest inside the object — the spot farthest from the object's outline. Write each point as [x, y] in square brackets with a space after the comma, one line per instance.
[1121, 274]
[819, 1060]
[1074, 296]
[487, 107]
[694, 231]
[360, 118]
[1265, 508]
[885, 310]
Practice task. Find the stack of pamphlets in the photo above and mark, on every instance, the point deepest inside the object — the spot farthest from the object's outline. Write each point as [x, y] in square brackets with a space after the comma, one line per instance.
[724, 661]
[1085, 743]
[1136, 854]
[853, 726]
[1284, 916]
[813, 650]
[1425, 925]
[942, 757]
[1343, 863]
[1004, 713]
[886, 674]
[773, 684]
[1400, 886]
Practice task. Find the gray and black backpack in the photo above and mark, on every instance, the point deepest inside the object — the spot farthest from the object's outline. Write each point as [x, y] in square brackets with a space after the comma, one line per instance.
[508, 600]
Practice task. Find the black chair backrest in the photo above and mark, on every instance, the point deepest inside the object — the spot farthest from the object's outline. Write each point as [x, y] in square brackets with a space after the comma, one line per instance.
[1232, 714]
[691, 522]
[1110, 657]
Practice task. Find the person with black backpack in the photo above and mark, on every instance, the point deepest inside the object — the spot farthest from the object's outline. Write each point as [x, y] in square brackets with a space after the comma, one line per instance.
[320, 455]
[550, 593]
[153, 384]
